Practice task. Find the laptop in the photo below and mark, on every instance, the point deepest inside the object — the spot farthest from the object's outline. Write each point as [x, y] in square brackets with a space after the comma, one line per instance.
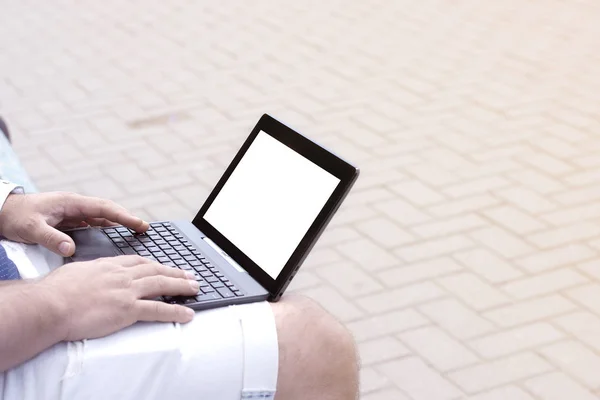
[254, 230]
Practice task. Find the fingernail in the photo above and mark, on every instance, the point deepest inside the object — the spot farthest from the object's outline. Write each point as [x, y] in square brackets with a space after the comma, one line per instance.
[189, 312]
[195, 285]
[190, 275]
[64, 248]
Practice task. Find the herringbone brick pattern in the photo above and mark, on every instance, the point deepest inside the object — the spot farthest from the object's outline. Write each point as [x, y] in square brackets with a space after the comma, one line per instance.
[466, 261]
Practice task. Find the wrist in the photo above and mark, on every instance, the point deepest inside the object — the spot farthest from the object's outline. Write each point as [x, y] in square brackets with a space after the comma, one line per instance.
[56, 311]
[6, 210]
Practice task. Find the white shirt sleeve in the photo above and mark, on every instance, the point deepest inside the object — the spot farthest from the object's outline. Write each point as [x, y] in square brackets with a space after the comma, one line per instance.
[7, 188]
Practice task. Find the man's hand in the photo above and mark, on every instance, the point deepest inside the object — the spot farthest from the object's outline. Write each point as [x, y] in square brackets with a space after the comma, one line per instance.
[34, 218]
[97, 298]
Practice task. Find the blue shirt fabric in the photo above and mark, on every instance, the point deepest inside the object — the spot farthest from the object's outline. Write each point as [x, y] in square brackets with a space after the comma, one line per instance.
[8, 269]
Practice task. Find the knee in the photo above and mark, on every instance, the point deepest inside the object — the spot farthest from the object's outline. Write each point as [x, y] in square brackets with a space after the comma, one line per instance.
[317, 353]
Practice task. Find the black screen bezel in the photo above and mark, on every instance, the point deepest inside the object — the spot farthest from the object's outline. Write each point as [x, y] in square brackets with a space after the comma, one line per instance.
[341, 169]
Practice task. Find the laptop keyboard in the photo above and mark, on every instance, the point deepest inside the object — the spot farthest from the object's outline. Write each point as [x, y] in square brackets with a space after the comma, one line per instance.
[166, 245]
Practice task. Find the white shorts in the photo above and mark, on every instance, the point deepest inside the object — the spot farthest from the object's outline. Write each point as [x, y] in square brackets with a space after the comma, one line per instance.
[227, 354]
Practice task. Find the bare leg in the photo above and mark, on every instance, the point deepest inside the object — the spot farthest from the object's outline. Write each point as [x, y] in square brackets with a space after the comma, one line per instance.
[317, 355]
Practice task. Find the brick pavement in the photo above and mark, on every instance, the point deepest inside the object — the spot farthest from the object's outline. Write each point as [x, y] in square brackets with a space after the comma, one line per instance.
[466, 259]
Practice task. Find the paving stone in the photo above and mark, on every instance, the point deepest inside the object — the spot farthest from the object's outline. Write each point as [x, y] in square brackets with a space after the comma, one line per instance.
[562, 256]
[380, 350]
[418, 271]
[459, 320]
[514, 340]
[399, 298]
[372, 381]
[429, 384]
[502, 393]
[499, 372]
[529, 311]
[556, 386]
[473, 291]
[576, 360]
[434, 248]
[488, 265]
[388, 323]
[502, 242]
[544, 283]
[438, 349]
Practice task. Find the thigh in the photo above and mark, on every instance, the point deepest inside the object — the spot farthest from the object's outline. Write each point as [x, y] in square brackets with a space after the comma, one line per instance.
[204, 359]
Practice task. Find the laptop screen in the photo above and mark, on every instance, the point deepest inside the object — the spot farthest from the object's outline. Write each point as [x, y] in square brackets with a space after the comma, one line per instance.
[270, 201]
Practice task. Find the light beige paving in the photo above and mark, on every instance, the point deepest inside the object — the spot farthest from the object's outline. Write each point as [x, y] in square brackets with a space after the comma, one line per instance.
[466, 261]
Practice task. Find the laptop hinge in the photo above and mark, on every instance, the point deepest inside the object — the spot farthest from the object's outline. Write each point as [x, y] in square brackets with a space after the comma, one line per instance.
[223, 254]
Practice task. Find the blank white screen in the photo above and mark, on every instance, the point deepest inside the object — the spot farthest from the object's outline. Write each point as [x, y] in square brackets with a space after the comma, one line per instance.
[270, 200]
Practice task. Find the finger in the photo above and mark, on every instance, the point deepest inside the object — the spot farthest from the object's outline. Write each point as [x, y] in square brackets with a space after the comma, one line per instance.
[150, 310]
[130, 261]
[153, 268]
[158, 285]
[93, 207]
[52, 239]
[100, 222]
[71, 224]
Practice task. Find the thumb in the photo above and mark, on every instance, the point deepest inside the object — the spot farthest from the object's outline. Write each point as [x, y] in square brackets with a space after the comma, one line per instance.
[53, 239]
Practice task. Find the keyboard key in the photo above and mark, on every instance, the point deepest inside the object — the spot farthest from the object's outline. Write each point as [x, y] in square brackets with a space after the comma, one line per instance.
[238, 293]
[218, 285]
[207, 297]
[211, 279]
[180, 262]
[175, 257]
[229, 285]
[156, 252]
[171, 239]
[122, 244]
[145, 240]
[128, 251]
[190, 300]
[207, 289]
[206, 274]
[186, 253]
[195, 263]
[152, 248]
[163, 260]
[138, 247]
[170, 251]
[188, 257]
[226, 293]
[122, 229]
[186, 268]
[169, 264]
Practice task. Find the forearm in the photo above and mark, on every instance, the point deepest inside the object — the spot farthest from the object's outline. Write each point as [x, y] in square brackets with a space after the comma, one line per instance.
[30, 322]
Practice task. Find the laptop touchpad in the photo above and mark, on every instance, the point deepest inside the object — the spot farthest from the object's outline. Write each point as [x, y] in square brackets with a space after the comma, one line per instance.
[92, 243]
